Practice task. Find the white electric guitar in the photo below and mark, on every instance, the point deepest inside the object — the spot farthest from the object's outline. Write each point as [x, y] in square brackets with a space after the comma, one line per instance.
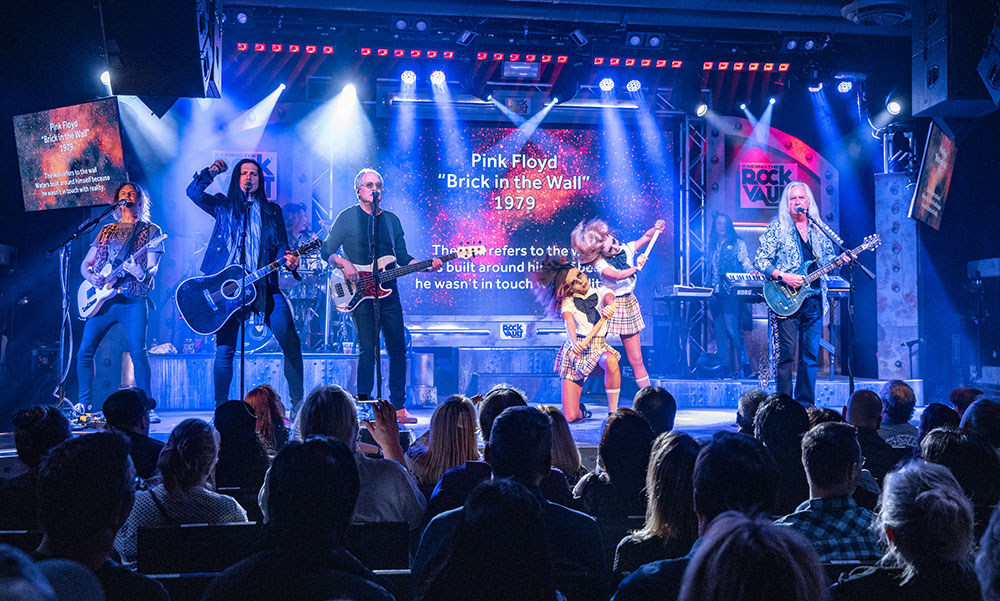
[90, 299]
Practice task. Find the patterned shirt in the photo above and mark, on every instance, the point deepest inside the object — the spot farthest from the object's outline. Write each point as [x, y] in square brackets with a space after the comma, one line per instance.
[781, 250]
[837, 527]
[109, 243]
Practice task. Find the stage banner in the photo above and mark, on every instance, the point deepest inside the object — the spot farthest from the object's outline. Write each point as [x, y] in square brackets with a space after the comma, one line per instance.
[268, 164]
[760, 184]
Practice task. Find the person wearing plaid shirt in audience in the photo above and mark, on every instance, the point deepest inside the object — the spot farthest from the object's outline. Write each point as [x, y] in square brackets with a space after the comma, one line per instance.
[838, 528]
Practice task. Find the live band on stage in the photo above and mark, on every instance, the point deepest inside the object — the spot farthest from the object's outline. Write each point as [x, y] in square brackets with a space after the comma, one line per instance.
[264, 268]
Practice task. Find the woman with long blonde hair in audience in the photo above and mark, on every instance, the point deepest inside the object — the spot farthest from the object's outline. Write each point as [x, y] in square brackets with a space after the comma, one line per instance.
[452, 442]
[270, 412]
[565, 454]
[185, 496]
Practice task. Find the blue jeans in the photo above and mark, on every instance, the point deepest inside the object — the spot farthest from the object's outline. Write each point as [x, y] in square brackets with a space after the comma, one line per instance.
[278, 318]
[805, 325]
[131, 313]
[391, 318]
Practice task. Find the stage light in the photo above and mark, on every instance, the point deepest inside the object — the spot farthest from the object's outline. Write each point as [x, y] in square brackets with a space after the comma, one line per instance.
[415, 53]
[489, 97]
[327, 49]
[645, 62]
[654, 41]
[598, 60]
[310, 50]
[673, 64]
[432, 54]
[106, 78]
[809, 44]
[449, 54]
[276, 47]
[816, 86]
[398, 52]
[421, 25]
[894, 106]
[743, 106]
[845, 86]
[437, 78]
[294, 48]
[401, 24]
[771, 100]
[579, 38]
[350, 89]
[635, 40]
[791, 44]
[630, 62]
[282, 86]
[554, 101]
[614, 62]
[242, 18]
[408, 77]
[465, 38]
[633, 86]
[701, 110]
[607, 84]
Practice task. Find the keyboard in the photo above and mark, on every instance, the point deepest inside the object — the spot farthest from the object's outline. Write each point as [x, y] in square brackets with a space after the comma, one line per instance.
[679, 290]
[750, 285]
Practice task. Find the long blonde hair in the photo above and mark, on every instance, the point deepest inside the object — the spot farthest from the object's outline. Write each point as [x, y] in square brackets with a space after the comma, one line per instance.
[452, 439]
[565, 454]
[588, 239]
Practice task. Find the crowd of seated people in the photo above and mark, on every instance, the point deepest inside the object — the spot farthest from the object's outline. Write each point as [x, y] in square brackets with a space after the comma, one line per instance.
[837, 507]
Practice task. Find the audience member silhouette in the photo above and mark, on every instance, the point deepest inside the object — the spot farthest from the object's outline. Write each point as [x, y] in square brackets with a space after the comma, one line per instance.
[864, 412]
[671, 524]
[184, 497]
[499, 551]
[86, 488]
[243, 460]
[733, 472]
[266, 404]
[822, 415]
[831, 520]
[127, 411]
[983, 418]
[973, 462]
[746, 410]
[565, 454]
[779, 424]
[898, 404]
[453, 441]
[936, 415]
[960, 398]
[314, 489]
[656, 406]
[36, 431]
[520, 447]
[743, 558]
[616, 490]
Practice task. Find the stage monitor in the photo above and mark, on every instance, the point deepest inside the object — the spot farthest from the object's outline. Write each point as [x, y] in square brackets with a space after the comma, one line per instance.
[935, 177]
[70, 156]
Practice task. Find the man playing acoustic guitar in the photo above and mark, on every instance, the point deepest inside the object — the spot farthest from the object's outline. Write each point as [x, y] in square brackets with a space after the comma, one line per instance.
[789, 244]
[354, 230]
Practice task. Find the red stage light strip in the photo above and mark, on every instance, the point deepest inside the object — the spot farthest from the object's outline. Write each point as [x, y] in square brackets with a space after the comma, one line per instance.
[449, 54]
[310, 50]
[514, 57]
[546, 58]
[398, 52]
[481, 56]
[737, 66]
[259, 47]
[242, 46]
[530, 57]
[784, 66]
[294, 47]
[723, 66]
[432, 54]
[598, 60]
[382, 52]
[498, 56]
[629, 62]
[562, 59]
[366, 52]
[769, 66]
[415, 54]
[645, 62]
[276, 47]
[614, 62]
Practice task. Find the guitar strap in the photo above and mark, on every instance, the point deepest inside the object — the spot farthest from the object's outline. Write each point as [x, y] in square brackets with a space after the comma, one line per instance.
[127, 247]
[392, 235]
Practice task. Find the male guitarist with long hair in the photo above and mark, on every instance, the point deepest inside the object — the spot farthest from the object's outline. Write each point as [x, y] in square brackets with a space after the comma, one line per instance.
[265, 238]
[353, 230]
[788, 244]
[115, 245]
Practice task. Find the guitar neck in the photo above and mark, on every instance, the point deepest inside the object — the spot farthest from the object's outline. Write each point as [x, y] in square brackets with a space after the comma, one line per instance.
[812, 277]
[117, 271]
[391, 274]
[275, 264]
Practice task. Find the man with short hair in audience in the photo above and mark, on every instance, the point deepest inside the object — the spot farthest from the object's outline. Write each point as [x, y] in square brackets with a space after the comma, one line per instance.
[520, 447]
[733, 472]
[747, 409]
[898, 405]
[837, 527]
[983, 418]
[127, 411]
[963, 396]
[864, 412]
[656, 406]
[779, 424]
[456, 484]
[86, 488]
[314, 488]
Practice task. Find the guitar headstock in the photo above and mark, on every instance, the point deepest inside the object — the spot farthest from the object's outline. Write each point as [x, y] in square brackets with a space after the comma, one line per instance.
[872, 242]
[467, 251]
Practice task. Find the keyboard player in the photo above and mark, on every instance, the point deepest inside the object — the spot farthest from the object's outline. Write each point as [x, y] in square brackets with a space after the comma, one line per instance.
[731, 318]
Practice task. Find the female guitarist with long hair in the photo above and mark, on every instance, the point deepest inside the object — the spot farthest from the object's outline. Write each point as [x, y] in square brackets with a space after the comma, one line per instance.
[114, 244]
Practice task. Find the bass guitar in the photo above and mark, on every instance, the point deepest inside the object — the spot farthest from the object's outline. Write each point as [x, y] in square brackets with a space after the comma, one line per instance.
[90, 298]
[206, 302]
[346, 294]
[785, 300]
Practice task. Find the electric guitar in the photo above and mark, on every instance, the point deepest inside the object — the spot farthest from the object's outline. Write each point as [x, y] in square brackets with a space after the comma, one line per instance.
[346, 294]
[206, 302]
[785, 300]
[90, 298]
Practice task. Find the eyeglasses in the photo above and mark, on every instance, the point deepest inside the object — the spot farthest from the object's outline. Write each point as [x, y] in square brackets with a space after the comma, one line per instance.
[370, 185]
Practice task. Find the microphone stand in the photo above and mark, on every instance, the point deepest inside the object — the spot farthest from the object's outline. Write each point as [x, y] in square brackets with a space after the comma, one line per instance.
[850, 295]
[376, 199]
[65, 326]
[243, 294]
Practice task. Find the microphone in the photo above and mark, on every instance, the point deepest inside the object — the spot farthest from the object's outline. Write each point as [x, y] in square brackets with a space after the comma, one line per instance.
[376, 195]
[826, 229]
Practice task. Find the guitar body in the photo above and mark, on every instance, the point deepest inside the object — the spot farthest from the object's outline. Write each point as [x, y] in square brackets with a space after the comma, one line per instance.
[90, 299]
[346, 295]
[206, 302]
[785, 300]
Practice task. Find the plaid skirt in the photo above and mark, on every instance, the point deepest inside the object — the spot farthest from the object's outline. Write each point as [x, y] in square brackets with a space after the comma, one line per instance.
[578, 367]
[627, 319]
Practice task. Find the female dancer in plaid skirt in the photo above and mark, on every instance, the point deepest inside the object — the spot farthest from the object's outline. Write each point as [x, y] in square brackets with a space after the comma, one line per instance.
[565, 290]
[618, 263]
